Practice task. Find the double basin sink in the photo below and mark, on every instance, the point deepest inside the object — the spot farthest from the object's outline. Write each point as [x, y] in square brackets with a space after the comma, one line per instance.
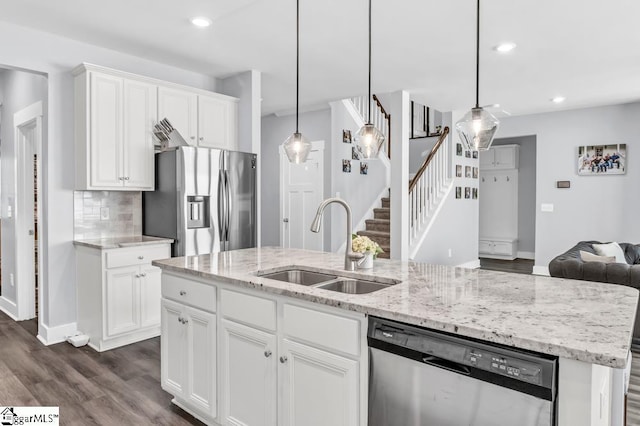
[328, 281]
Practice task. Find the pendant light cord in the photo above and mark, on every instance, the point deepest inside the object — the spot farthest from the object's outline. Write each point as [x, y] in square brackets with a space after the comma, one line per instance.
[297, 60]
[478, 56]
[369, 98]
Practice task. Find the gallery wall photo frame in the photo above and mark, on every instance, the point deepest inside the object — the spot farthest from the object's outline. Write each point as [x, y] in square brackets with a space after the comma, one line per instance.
[346, 136]
[601, 160]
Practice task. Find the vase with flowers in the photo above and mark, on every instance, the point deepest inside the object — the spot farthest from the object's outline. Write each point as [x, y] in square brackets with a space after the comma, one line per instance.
[369, 248]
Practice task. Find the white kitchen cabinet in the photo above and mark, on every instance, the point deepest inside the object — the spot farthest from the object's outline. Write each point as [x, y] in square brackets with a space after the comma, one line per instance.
[180, 107]
[118, 294]
[500, 157]
[217, 122]
[498, 248]
[249, 370]
[114, 145]
[319, 388]
[188, 354]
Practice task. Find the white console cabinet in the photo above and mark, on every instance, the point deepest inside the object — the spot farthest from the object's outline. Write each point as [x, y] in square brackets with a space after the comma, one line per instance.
[119, 294]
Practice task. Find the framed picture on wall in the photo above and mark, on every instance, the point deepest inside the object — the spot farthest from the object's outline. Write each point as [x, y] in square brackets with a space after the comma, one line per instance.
[346, 136]
[346, 166]
[458, 192]
[467, 192]
[355, 155]
[475, 154]
[467, 154]
[467, 171]
[459, 170]
[474, 193]
[475, 173]
[364, 168]
[418, 120]
[459, 149]
[600, 160]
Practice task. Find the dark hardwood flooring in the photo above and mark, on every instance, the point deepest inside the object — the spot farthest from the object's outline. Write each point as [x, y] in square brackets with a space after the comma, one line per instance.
[120, 386]
[518, 266]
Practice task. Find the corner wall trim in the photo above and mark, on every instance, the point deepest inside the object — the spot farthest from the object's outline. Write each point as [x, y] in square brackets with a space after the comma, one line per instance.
[52, 335]
[474, 264]
[541, 270]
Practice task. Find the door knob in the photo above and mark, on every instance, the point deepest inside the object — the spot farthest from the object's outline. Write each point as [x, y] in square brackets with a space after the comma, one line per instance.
[267, 353]
[283, 359]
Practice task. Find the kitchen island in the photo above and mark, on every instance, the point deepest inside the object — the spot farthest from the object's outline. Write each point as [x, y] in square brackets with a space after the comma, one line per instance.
[587, 325]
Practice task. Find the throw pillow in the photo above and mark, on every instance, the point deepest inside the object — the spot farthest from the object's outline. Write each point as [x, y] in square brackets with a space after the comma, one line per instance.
[590, 257]
[610, 249]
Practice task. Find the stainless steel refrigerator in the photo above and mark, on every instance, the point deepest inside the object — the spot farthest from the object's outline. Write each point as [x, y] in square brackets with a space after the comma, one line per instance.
[205, 199]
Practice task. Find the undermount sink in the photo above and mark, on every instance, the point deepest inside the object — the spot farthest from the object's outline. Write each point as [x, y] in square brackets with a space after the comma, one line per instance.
[298, 276]
[328, 281]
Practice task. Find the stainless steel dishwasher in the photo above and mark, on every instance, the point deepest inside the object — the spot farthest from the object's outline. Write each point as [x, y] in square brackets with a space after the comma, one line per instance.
[420, 377]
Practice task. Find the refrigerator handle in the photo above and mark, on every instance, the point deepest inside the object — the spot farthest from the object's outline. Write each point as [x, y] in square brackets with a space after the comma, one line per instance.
[221, 206]
[228, 205]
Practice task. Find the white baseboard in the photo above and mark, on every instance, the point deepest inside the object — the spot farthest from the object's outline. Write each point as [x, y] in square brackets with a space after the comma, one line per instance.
[541, 270]
[58, 334]
[474, 264]
[526, 255]
[8, 307]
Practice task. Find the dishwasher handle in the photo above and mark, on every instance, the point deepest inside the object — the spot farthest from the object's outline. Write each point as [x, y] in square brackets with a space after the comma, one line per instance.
[446, 364]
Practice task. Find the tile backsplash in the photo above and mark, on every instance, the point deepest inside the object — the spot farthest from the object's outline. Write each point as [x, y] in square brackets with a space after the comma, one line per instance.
[123, 208]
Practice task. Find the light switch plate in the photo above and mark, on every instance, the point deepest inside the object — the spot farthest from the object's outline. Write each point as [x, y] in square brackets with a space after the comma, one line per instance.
[546, 208]
[104, 213]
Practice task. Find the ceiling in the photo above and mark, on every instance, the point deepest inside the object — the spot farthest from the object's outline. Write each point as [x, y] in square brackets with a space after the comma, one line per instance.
[586, 50]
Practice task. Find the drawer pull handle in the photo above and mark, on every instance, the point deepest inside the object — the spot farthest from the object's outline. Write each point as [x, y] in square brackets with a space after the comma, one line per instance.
[185, 321]
[143, 274]
[180, 320]
[267, 353]
[140, 257]
[137, 275]
[183, 293]
[283, 359]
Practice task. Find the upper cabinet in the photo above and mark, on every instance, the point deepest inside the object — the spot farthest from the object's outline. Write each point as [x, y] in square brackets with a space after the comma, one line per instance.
[501, 157]
[115, 113]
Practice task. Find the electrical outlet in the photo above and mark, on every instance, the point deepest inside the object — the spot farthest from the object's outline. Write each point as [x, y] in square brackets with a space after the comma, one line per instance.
[546, 208]
[104, 213]
[11, 280]
[9, 211]
[450, 252]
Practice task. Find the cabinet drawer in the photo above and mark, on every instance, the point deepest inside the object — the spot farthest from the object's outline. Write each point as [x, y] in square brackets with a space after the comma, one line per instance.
[194, 293]
[322, 329]
[503, 248]
[484, 247]
[131, 256]
[251, 310]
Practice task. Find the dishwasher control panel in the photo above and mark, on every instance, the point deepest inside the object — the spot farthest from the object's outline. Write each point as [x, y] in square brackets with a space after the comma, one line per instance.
[505, 365]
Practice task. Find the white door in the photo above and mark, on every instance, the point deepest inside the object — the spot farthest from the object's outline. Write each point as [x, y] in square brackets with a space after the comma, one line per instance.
[249, 368]
[216, 123]
[201, 360]
[106, 131]
[181, 109]
[123, 300]
[150, 295]
[319, 388]
[140, 114]
[173, 348]
[301, 192]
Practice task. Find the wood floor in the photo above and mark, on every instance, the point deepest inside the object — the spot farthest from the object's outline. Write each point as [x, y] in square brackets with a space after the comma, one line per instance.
[121, 386]
[518, 266]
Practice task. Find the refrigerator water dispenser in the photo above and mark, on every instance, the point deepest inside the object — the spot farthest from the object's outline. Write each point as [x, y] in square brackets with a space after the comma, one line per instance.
[197, 211]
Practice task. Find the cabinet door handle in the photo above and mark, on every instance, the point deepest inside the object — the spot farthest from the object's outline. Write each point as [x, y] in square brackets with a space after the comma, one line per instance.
[283, 359]
[193, 137]
[140, 257]
[267, 353]
[185, 321]
[201, 138]
[137, 275]
[143, 274]
[183, 293]
[180, 320]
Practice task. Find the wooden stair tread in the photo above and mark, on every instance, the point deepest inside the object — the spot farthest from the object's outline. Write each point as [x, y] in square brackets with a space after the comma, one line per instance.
[373, 233]
[380, 221]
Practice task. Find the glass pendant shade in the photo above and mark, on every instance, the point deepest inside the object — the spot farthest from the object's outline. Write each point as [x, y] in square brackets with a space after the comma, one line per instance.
[297, 148]
[477, 129]
[368, 141]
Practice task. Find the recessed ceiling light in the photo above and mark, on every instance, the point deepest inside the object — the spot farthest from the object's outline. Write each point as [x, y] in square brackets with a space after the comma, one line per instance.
[201, 21]
[558, 99]
[505, 47]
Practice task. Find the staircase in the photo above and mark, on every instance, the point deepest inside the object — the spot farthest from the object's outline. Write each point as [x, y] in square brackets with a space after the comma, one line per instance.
[379, 228]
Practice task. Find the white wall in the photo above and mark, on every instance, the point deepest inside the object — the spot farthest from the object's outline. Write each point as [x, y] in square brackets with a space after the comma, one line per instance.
[315, 126]
[360, 191]
[595, 207]
[56, 56]
[526, 190]
[20, 89]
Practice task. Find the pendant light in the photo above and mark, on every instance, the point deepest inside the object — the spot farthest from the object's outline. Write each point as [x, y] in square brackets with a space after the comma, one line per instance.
[369, 139]
[297, 147]
[478, 127]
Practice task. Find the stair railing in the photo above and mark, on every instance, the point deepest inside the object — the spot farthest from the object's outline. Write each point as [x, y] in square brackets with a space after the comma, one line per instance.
[379, 117]
[427, 184]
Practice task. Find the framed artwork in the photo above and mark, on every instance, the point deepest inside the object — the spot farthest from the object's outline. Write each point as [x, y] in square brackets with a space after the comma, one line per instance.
[474, 193]
[458, 192]
[467, 192]
[364, 168]
[475, 154]
[459, 149]
[467, 171]
[355, 155]
[346, 166]
[346, 136]
[467, 154]
[475, 173]
[598, 160]
[418, 120]
[459, 170]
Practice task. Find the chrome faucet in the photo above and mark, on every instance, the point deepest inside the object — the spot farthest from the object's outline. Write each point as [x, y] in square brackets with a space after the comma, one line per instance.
[350, 257]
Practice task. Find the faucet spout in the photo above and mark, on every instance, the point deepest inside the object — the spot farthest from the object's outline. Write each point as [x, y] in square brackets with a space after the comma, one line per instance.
[350, 257]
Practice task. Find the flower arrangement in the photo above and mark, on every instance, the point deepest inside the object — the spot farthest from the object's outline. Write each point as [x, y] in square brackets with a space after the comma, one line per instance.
[362, 244]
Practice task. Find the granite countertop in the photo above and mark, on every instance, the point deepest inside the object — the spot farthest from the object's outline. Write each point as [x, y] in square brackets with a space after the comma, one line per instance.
[111, 243]
[580, 320]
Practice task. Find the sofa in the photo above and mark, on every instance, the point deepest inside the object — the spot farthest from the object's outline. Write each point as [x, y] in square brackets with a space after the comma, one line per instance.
[571, 265]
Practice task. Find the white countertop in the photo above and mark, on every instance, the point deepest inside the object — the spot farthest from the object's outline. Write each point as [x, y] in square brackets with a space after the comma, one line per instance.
[581, 320]
[119, 242]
